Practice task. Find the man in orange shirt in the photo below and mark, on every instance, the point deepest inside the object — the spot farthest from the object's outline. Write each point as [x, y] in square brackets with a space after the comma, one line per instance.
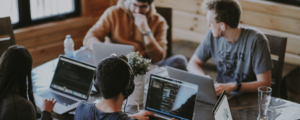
[135, 22]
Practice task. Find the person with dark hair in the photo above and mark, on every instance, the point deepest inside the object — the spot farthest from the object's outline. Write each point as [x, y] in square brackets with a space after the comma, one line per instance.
[16, 95]
[242, 55]
[114, 80]
[136, 22]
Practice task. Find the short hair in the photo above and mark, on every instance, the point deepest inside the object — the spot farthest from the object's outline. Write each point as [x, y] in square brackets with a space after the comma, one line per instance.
[227, 11]
[112, 77]
[148, 1]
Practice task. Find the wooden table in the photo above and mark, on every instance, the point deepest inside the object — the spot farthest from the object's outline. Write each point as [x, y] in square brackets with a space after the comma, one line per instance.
[243, 106]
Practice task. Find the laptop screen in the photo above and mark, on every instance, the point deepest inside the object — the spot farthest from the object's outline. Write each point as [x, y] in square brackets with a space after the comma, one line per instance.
[73, 77]
[171, 97]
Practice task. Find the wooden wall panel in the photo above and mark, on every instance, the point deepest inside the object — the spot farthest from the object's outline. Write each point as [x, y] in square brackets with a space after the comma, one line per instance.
[273, 22]
[52, 27]
[190, 21]
[182, 34]
[53, 37]
[42, 54]
[271, 8]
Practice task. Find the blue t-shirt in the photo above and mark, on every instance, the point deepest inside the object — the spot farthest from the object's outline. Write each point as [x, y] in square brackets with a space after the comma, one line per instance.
[238, 61]
[88, 111]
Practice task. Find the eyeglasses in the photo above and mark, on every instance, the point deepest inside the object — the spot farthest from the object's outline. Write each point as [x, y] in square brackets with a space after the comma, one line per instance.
[142, 7]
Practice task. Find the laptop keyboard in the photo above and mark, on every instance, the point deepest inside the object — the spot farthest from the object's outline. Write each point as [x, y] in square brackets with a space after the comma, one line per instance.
[60, 99]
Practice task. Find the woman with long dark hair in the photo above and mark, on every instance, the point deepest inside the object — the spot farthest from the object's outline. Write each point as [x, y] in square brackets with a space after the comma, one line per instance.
[16, 95]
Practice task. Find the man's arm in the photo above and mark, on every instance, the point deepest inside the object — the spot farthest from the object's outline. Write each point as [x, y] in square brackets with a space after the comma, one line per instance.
[99, 31]
[194, 66]
[155, 45]
[263, 79]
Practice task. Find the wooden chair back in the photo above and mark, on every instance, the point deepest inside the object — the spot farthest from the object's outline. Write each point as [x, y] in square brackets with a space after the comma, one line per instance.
[7, 37]
[277, 48]
[167, 14]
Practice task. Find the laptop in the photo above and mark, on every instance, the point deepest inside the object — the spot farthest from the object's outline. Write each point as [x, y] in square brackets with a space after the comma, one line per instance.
[70, 85]
[169, 98]
[206, 91]
[103, 50]
[221, 110]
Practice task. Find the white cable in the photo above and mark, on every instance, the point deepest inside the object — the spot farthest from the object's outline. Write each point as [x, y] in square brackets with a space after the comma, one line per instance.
[138, 106]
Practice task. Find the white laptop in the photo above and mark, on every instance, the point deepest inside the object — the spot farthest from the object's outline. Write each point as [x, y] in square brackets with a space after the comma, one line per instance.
[206, 91]
[71, 84]
[221, 110]
[169, 98]
[103, 50]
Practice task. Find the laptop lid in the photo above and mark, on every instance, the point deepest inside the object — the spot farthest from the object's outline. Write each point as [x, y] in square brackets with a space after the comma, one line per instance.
[221, 110]
[206, 91]
[103, 50]
[73, 77]
[171, 98]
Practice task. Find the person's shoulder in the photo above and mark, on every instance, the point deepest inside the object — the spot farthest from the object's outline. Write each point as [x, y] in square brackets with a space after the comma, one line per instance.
[256, 34]
[113, 10]
[84, 105]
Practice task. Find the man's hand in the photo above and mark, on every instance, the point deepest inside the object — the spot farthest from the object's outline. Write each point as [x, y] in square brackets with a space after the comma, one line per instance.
[143, 115]
[140, 21]
[220, 87]
[48, 104]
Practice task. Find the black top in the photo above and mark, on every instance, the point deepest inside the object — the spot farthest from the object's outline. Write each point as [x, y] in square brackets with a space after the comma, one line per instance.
[14, 107]
[88, 111]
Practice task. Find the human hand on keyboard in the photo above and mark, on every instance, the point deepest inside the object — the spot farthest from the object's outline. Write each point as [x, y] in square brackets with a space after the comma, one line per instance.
[48, 104]
[143, 115]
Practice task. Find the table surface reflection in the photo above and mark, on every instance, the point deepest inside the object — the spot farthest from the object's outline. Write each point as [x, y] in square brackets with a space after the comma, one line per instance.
[243, 106]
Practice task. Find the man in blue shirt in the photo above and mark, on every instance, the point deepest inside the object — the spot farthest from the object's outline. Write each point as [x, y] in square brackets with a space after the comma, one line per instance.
[114, 80]
[242, 54]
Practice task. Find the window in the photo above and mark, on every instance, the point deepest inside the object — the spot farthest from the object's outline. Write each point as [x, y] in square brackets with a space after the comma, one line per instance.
[30, 12]
[10, 8]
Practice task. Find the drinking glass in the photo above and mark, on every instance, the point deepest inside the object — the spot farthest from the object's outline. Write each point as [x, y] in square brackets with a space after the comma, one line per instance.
[264, 98]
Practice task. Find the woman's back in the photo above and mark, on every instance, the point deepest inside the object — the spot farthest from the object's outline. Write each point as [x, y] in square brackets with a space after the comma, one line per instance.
[16, 96]
[14, 107]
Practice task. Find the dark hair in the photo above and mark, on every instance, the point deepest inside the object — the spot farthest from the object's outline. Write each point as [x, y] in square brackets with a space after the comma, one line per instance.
[227, 11]
[148, 1]
[112, 76]
[15, 72]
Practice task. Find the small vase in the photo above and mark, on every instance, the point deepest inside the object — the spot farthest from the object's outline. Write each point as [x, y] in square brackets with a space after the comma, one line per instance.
[137, 97]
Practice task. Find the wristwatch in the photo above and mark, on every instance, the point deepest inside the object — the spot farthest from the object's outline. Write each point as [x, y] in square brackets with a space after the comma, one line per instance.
[147, 33]
[239, 85]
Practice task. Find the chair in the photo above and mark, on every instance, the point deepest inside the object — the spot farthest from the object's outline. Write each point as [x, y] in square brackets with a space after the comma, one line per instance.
[7, 37]
[277, 48]
[167, 14]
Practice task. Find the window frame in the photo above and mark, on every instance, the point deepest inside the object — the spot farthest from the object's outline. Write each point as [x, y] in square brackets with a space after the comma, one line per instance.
[25, 15]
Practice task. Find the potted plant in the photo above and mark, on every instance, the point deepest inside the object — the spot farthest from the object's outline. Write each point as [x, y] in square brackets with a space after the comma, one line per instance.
[140, 66]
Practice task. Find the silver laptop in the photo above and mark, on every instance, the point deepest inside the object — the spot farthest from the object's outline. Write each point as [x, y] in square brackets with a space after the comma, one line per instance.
[206, 90]
[71, 84]
[103, 50]
[169, 98]
[221, 110]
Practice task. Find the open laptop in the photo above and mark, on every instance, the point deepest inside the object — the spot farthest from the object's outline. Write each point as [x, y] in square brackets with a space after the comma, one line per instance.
[71, 84]
[169, 98]
[206, 91]
[221, 110]
[103, 50]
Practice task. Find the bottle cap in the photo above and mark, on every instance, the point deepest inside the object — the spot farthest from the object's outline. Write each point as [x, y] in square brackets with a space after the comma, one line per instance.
[68, 36]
